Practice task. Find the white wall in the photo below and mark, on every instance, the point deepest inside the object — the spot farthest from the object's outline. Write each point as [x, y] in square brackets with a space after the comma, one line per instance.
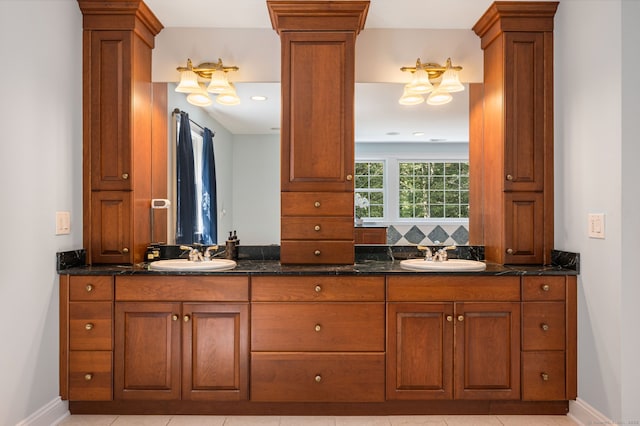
[256, 188]
[41, 173]
[596, 172]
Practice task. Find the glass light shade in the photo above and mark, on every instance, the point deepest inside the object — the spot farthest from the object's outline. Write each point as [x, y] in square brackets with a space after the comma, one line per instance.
[188, 82]
[451, 82]
[439, 97]
[420, 83]
[228, 97]
[219, 82]
[409, 97]
[199, 98]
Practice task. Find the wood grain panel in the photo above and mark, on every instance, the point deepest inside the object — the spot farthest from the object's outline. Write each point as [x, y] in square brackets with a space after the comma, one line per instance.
[452, 288]
[543, 326]
[183, 288]
[317, 289]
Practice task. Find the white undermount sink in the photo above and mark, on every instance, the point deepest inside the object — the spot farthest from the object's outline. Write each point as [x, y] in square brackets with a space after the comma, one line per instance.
[451, 265]
[189, 265]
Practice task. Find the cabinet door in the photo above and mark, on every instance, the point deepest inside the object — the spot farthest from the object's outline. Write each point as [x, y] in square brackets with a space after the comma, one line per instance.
[215, 351]
[108, 59]
[147, 350]
[524, 221]
[420, 351]
[111, 227]
[317, 111]
[487, 354]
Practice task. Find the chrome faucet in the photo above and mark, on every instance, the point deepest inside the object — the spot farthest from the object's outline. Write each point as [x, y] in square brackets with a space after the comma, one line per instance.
[207, 252]
[194, 254]
[439, 256]
[428, 254]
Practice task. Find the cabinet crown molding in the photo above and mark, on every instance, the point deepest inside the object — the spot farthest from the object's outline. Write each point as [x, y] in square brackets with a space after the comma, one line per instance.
[343, 15]
[516, 16]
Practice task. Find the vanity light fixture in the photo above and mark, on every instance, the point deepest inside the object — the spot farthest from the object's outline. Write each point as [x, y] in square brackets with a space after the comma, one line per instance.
[218, 84]
[440, 81]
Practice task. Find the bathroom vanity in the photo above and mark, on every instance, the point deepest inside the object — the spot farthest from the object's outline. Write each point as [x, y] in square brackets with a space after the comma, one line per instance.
[368, 338]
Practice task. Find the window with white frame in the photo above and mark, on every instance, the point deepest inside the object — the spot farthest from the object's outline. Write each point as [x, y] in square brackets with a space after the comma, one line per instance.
[370, 189]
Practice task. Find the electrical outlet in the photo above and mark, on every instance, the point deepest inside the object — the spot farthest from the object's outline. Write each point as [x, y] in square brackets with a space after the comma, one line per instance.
[596, 225]
[63, 223]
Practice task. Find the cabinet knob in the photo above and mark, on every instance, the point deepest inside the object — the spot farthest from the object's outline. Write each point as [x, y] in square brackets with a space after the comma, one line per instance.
[545, 287]
[460, 318]
[316, 228]
[175, 317]
[509, 251]
[89, 288]
[88, 376]
[544, 327]
[544, 376]
[317, 252]
[316, 204]
[125, 250]
[88, 326]
[318, 327]
[318, 378]
[186, 318]
[349, 177]
[509, 178]
[318, 288]
[449, 318]
[125, 176]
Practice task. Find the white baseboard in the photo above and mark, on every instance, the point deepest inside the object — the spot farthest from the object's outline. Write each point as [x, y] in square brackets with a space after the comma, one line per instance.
[584, 414]
[48, 415]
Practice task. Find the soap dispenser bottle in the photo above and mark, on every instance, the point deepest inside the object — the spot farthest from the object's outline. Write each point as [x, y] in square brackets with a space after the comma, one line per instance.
[231, 250]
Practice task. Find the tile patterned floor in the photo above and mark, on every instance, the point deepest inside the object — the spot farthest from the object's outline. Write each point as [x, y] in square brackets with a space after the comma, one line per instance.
[113, 420]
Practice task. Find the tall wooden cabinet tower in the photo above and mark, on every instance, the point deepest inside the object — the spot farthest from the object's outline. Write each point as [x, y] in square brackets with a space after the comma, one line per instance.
[117, 128]
[317, 129]
[515, 159]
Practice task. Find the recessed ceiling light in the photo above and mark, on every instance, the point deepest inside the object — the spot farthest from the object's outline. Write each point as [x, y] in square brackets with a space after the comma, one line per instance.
[275, 128]
[418, 133]
[437, 140]
[393, 133]
[258, 98]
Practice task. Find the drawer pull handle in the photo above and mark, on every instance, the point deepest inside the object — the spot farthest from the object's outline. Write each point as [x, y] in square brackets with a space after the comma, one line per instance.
[317, 252]
[175, 317]
[318, 288]
[544, 376]
[186, 318]
[316, 204]
[545, 287]
[349, 178]
[318, 327]
[318, 378]
[88, 326]
[460, 318]
[316, 228]
[509, 178]
[89, 288]
[88, 376]
[125, 176]
[544, 327]
[509, 251]
[125, 250]
[449, 318]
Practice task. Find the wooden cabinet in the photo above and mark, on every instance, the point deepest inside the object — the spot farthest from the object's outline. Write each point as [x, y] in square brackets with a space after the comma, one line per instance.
[86, 337]
[548, 338]
[334, 349]
[371, 235]
[317, 136]
[181, 338]
[117, 137]
[437, 341]
[513, 157]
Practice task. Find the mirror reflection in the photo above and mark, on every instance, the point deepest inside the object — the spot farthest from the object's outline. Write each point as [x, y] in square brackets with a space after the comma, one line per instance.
[411, 164]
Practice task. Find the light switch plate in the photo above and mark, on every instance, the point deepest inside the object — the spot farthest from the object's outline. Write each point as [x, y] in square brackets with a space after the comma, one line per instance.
[596, 225]
[63, 223]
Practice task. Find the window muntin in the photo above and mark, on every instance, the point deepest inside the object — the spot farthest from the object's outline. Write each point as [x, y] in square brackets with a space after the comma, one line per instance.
[370, 184]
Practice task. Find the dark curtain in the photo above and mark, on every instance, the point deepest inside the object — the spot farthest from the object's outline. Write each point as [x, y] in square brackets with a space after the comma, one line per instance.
[186, 197]
[209, 197]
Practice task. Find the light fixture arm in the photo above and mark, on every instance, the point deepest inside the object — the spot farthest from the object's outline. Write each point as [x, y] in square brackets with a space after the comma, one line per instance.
[432, 69]
[206, 69]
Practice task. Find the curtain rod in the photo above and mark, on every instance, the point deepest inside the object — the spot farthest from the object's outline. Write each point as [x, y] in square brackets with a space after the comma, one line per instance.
[177, 111]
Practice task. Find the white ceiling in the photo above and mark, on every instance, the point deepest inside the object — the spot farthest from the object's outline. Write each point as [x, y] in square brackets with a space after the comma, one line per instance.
[396, 33]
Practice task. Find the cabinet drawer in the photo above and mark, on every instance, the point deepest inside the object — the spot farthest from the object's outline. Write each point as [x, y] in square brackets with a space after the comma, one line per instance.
[95, 287]
[317, 228]
[422, 288]
[543, 288]
[183, 288]
[543, 326]
[317, 204]
[317, 327]
[543, 376]
[317, 252]
[328, 377]
[90, 325]
[366, 235]
[321, 288]
[90, 375]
